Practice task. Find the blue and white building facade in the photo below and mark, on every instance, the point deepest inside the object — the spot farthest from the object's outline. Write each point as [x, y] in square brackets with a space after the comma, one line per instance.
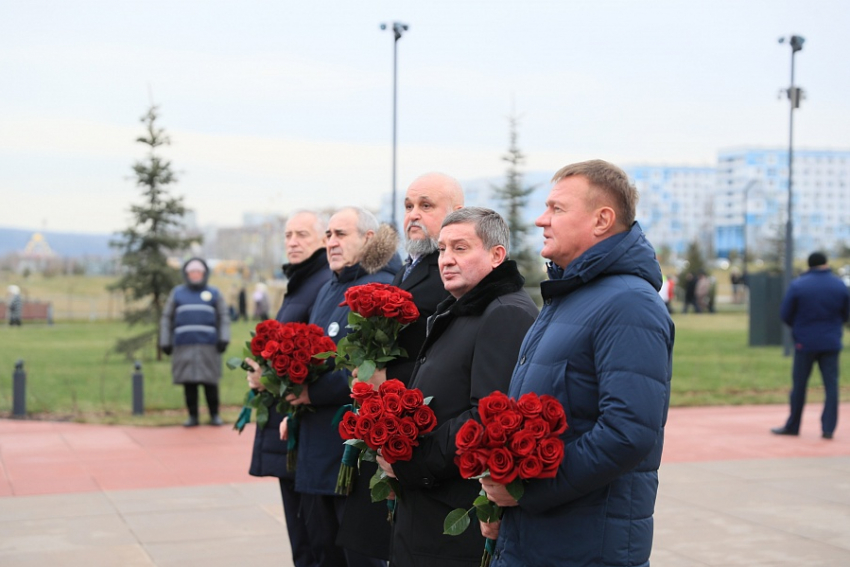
[752, 196]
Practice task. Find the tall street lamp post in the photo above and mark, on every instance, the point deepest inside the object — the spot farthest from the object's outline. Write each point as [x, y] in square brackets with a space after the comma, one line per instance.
[795, 94]
[398, 28]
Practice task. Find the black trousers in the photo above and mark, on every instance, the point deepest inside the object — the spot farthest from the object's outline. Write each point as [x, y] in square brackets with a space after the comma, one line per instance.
[191, 393]
[323, 515]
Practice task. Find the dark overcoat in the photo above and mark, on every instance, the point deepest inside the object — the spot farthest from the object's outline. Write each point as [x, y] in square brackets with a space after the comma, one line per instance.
[470, 350]
[602, 345]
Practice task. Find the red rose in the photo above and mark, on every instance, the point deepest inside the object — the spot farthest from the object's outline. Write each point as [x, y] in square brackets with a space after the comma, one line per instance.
[529, 405]
[361, 391]
[409, 314]
[266, 328]
[392, 423]
[372, 406]
[553, 413]
[537, 426]
[298, 372]
[281, 364]
[257, 345]
[551, 453]
[398, 448]
[301, 356]
[392, 386]
[530, 467]
[302, 342]
[287, 332]
[407, 428]
[425, 419]
[491, 406]
[522, 443]
[495, 435]
[469, 436]
[472, 463]
[390, 310]
[269, 350]
[412, 399]
[378, 435]
[501, 465]
[365, 423]
[286, 346]
[510, 420]
[392, 403]
[348, 426]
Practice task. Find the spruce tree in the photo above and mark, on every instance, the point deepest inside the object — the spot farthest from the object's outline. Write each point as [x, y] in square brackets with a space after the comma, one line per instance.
[513, 196]
[156, 230]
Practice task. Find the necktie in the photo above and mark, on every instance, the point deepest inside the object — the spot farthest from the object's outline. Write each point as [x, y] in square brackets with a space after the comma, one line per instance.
[408, 267]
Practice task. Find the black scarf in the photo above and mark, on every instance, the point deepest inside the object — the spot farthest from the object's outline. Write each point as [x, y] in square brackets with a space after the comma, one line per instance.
[504, 279]
[297, 274]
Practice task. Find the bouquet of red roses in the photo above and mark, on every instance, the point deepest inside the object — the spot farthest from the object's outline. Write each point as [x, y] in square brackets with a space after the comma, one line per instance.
[378, 312]
[288, 355]
[516, 440]
[389, 419]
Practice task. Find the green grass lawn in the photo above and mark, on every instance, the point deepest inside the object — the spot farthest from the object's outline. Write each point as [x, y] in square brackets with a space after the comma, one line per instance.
[72, 373]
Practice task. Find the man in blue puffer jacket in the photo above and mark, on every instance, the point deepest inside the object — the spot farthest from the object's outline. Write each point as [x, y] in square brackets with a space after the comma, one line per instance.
[602, 345]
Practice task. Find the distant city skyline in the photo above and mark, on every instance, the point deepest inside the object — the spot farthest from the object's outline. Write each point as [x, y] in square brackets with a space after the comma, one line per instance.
[277, 106]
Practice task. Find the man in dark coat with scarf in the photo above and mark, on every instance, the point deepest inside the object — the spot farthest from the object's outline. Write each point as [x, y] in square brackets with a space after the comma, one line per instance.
[471, 347]
[602, 345]
[429, 199]
[359, 252]
[195, 329]
[307, 272]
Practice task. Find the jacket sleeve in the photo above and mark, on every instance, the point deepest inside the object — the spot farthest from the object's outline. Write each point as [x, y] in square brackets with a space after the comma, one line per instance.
[632, 354]
[496, 346]
[166, 323]
[330, 389]
[788, 309]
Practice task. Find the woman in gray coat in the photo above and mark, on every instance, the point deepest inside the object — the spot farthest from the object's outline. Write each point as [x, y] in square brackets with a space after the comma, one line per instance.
[195, 329]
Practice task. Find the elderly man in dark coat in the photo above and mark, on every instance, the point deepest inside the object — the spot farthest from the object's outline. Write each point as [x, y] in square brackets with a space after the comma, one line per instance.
[602, 346]
[359, 252]
[429, 199]
[472, 344]
[307, 272]
[195, 329]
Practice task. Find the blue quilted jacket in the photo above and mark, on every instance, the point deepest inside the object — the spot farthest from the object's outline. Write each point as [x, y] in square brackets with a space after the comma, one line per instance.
[602, 345]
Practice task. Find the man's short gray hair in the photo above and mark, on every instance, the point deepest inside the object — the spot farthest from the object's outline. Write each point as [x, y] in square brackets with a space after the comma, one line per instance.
[366, 221]
[490, 227]
[320, 224]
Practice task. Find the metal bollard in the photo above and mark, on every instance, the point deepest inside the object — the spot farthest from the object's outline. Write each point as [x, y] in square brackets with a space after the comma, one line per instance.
[138, 390]
[19, 390]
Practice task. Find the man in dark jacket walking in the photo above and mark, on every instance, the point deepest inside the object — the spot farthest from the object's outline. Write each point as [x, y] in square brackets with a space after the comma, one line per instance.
[359, 252]
[306, 272]
[428, 200]
[195, 329]
[816, 307]
[471, 347]
[602, 345]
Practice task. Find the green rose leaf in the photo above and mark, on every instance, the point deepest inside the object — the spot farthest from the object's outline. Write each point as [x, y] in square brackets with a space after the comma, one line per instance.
[234, 362]
[456, 522]
[516, 489]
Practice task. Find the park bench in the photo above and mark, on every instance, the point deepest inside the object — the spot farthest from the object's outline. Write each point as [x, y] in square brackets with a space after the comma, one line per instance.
[31, 311]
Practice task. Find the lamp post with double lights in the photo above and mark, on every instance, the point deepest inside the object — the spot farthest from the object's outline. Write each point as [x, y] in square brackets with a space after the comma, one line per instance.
[795, 95]
[398, 29]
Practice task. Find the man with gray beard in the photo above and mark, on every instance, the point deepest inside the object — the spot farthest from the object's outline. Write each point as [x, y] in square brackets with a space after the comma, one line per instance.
[429, 200]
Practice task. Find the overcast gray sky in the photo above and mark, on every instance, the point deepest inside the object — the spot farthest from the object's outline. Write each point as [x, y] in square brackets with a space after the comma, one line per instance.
[278, 105]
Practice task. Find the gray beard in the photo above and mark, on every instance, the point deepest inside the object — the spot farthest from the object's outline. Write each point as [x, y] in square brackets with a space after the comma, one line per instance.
[421, 247]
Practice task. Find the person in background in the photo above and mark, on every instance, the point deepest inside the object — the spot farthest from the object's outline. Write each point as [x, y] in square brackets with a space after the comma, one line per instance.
[306, 272]
[243, 303]
[816, 306]
[16, 306]
[261, 302]
[195, 330]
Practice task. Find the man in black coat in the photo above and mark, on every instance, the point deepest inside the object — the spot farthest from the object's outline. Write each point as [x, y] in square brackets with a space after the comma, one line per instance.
[307, 271]
[429, 199]
[471, 348]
